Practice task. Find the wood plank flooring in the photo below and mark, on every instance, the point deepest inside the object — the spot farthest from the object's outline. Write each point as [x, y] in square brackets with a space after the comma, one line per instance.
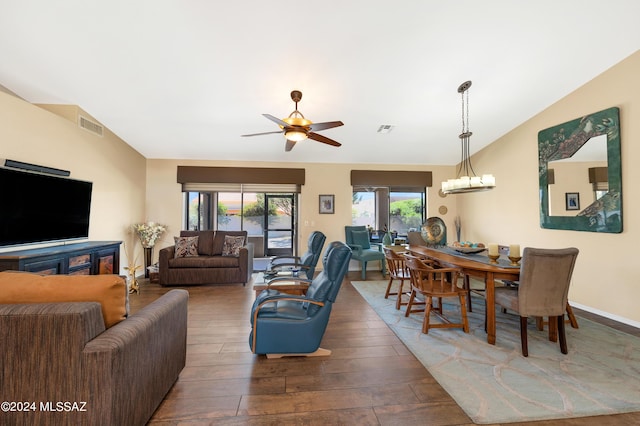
[370, 378]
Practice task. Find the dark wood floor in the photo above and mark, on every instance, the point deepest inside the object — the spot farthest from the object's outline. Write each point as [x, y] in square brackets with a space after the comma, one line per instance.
[370, 378]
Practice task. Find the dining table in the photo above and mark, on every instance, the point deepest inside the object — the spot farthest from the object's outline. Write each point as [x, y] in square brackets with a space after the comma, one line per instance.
[475, 265]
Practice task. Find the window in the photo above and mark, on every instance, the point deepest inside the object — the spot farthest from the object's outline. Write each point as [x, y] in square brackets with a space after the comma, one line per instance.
[406, 211]
[272, 228]
[198, 210]
[400, 211]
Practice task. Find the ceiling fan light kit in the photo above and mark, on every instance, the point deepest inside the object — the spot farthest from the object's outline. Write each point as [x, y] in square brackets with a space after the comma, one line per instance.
[296, 128]
[466, 180]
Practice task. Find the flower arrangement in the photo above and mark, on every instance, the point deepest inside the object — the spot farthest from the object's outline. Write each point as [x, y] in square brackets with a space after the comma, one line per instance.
[132, 280]
[149, 233]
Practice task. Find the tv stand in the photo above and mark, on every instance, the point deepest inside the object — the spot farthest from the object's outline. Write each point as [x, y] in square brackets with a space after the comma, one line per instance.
[87, 258]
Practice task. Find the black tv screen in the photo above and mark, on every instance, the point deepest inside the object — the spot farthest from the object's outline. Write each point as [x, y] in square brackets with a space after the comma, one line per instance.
[38, 208]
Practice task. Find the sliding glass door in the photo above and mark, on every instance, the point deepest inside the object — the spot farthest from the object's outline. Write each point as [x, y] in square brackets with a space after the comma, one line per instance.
[280, 224]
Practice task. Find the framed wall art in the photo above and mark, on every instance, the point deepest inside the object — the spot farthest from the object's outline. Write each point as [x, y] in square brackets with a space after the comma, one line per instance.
[572, 200]
[327, 204]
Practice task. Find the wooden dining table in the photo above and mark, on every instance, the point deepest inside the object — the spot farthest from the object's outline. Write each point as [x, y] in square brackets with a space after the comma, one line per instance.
[475, 266]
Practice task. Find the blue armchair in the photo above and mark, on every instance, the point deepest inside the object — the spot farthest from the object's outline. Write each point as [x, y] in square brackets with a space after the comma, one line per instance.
[308, 261]
[288, 325]
[357, 238]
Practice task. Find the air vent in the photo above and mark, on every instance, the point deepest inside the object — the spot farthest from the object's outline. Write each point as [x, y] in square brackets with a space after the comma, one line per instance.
[385, 128]
[90, 126]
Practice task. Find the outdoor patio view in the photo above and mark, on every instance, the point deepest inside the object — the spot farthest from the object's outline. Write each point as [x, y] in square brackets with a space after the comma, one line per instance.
[406, 210]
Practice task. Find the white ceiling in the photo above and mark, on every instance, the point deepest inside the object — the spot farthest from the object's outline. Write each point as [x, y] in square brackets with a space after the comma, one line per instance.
[184, 79]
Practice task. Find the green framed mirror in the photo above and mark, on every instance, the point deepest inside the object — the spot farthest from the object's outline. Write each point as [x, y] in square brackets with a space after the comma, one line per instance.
[580, 174]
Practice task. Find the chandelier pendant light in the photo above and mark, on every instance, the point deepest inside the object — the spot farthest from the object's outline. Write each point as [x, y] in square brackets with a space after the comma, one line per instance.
[466, 179]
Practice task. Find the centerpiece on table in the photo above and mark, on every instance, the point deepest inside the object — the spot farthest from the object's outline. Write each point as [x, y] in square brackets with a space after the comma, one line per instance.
[149, 234]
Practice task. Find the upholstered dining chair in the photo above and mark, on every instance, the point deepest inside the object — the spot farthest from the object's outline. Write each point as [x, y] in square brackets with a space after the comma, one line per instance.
[398, 271]
[545, 276]
[290, 325]
[357, 238]
[307, 262]
[433, 282]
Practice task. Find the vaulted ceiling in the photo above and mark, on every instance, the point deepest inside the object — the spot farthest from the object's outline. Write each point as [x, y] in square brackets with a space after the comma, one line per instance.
[183, 79]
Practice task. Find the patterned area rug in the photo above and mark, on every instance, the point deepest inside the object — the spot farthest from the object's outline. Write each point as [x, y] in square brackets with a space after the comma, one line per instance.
[496, 384]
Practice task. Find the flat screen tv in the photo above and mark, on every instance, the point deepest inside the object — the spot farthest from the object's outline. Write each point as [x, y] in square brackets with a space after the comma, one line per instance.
[36, 208]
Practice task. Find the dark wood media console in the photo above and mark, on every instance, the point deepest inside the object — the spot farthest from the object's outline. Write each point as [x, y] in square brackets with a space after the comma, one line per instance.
[88, 258]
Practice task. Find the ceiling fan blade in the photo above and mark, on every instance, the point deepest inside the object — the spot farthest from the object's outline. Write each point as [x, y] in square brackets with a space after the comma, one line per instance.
[276, 120]
[323, 139]
[263, 133]
[326, 125]
[289, 146]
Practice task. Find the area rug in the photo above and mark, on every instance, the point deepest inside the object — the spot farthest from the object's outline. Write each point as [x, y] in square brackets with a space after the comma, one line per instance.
[496, 384]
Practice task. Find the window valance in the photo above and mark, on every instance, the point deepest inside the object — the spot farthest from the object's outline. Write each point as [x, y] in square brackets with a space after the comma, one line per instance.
[240, 179]
[396, 181]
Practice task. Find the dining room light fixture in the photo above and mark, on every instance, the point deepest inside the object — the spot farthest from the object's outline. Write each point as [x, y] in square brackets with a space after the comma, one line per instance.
[466, 179]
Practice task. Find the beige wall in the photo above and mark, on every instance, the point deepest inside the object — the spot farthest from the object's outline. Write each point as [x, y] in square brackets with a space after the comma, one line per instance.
[605, 278]
[32, 134]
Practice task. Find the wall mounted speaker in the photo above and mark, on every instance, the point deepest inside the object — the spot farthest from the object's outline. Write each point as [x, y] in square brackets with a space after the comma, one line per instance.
[34, 168]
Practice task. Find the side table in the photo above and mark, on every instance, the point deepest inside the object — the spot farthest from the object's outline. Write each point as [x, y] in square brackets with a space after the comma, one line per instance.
[290, 287]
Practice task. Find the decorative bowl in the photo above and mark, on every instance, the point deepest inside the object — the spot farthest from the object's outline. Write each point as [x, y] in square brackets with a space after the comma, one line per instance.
[469, 250]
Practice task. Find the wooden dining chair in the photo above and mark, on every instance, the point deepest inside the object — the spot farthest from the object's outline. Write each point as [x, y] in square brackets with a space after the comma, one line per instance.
[545, 276]
[398, 271]
[432, 282]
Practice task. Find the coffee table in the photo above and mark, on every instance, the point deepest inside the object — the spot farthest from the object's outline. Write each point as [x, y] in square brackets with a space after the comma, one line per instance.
[294, 286]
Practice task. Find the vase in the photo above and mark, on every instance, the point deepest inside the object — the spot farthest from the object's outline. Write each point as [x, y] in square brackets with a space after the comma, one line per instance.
[386, 240]
[148, 255]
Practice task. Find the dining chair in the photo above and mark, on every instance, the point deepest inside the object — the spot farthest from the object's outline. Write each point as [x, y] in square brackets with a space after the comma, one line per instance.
[431, 282]
[545, 276]
[397, 271]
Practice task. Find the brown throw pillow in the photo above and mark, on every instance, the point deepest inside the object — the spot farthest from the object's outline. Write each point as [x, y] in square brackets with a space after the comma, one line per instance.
[186, 246]
[232, 246]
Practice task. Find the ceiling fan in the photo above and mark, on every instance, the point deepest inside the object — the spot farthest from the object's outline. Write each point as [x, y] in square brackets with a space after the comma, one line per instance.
[296, 128]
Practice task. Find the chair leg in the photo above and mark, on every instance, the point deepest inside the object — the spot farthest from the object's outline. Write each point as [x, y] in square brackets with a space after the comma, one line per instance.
[561, 335]
[364, 271]
[463, 312]
[427, 314]
[399, 299]
[553, 329]
[410, 304]
[467, 287]
[572, 318]
[387, 293]
[523, 336]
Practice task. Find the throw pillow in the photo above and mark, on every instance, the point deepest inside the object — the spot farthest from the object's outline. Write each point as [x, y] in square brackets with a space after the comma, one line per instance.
[186, 246]
[232, 245]
[108, 290]
[361, 238]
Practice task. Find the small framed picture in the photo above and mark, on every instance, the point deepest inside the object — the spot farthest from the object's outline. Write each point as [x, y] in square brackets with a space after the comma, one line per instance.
[572, 200]
[327, 204]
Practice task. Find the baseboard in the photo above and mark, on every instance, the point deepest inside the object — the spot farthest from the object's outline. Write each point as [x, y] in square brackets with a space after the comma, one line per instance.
[604, 314]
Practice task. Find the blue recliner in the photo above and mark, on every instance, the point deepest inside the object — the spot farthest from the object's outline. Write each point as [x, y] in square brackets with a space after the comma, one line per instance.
[357, 238]
[307, 262]
[284, 324]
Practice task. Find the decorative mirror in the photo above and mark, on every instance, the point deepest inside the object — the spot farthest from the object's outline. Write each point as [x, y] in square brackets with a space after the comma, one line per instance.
[580, 174]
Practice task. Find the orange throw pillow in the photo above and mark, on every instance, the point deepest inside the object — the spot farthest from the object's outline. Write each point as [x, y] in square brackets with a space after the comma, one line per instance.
[108, 290]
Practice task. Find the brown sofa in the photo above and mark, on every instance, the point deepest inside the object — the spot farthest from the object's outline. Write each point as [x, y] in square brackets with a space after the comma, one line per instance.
[209, 266]
[61, 359]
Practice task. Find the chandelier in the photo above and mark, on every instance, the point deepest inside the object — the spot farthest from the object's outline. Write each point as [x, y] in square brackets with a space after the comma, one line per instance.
[466, 180]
